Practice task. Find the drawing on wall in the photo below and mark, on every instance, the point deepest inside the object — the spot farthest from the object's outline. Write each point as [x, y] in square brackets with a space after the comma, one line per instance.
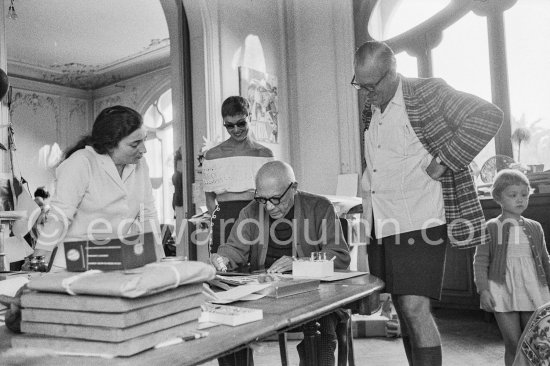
[260, 89]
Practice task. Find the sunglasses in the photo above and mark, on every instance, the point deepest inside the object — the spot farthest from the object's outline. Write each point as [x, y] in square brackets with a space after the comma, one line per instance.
[275, 200]
[240, 124]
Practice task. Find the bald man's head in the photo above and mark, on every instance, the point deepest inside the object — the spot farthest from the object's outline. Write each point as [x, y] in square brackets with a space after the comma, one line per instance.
[276, 179]
[276, 170]
[373, 54]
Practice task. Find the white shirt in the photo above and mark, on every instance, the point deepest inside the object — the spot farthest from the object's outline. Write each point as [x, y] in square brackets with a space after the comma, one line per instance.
[398, 192]
[91, 198]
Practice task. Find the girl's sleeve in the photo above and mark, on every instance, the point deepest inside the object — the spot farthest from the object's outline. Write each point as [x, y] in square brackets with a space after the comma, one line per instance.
[544, 248]
[481, 265]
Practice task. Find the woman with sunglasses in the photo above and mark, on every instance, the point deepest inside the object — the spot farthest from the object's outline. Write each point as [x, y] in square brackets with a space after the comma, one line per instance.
[102, 186]
[229, 170]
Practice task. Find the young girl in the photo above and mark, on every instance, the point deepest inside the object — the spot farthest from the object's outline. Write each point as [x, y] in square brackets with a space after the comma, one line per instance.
[512, 271]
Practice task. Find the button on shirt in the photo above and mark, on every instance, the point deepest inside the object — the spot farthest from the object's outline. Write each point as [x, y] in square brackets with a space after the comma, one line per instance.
[402, 195]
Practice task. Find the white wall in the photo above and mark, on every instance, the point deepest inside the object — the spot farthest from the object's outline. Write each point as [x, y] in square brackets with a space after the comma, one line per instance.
[323, 104]
[42, 115]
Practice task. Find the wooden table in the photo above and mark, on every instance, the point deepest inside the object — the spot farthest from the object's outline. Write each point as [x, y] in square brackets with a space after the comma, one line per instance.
[279, 315]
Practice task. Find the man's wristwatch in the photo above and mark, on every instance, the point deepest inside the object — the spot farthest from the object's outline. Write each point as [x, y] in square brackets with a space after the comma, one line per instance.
[440, 162]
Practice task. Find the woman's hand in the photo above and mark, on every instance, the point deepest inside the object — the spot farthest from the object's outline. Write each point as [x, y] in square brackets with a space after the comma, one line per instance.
[219, 262]
[486, 300]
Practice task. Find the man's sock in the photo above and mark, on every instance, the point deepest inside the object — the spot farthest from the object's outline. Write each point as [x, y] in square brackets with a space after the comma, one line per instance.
[426, 356]
[408, 349]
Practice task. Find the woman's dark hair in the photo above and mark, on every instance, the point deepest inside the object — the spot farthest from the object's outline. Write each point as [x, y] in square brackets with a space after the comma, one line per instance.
[111, 125]
[42, 192]
[235, 105]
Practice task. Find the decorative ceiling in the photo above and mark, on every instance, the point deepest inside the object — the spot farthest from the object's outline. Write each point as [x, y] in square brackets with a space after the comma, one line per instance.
[86, 44]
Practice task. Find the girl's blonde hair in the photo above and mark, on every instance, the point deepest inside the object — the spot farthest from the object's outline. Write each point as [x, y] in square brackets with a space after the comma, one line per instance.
[505, 178]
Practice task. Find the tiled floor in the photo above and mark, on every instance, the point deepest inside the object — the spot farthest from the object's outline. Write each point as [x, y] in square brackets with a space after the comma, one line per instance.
[468, 340]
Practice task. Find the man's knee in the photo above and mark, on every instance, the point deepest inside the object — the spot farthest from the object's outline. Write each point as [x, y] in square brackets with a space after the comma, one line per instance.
[412, 306]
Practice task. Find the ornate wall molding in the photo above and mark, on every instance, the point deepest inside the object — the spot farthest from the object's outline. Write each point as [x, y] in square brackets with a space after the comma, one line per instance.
[34, 101]
[88, 77]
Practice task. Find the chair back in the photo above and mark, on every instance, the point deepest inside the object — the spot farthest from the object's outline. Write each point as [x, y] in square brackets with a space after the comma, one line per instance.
[534, 344]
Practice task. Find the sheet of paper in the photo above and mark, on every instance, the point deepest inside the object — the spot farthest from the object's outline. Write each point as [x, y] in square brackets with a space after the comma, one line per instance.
[16, 249]
[240, 293]
[337, 276]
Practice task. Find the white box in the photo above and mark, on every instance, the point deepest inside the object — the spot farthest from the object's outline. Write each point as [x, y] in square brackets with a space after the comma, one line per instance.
[307, 268]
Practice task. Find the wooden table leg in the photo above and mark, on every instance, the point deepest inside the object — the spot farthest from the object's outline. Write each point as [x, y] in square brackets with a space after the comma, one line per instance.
[311, 333]
[283, 349]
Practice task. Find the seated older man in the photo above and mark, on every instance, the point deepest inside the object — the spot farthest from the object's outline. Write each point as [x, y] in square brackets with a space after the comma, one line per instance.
[281, 223]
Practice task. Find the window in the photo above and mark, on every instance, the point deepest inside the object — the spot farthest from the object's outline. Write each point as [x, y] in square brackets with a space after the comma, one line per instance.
[529, 76]
[406, 65]
[391, 18]
[466, 68]
[462, 59]
[160, 154]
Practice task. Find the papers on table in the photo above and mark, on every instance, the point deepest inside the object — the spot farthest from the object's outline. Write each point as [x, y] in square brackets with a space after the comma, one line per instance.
[238, 293]
[249, 290]
[337, 276]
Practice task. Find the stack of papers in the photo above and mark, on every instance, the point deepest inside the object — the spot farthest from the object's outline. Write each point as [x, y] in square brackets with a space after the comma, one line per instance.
[229, 315]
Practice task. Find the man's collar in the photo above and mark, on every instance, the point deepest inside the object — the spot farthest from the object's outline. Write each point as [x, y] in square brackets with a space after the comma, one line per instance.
[397, 98]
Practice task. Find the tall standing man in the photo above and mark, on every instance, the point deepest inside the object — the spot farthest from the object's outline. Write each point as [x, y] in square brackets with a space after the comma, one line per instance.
[420, 137]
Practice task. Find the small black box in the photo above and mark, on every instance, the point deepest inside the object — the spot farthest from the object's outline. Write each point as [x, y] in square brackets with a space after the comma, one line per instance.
[110, 254]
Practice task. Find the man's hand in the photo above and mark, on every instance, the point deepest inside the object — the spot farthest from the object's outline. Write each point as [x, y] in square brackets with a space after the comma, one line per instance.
[281, 265]
[435, 170]
[486, 301]
[219, 262]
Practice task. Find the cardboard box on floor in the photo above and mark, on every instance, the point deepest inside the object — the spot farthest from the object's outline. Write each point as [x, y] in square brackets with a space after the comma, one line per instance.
[383, 323]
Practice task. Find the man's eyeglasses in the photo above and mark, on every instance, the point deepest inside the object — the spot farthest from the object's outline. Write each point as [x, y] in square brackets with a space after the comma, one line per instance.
[368, 87]
[240, 124]
[275, 200]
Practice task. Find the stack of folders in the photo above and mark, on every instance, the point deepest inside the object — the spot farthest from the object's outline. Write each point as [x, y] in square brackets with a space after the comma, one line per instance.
[104, 325]
[282, 286]
[115, 313]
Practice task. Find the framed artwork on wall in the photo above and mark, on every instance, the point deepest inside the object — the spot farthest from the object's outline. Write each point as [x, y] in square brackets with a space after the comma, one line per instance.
[260, 89]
